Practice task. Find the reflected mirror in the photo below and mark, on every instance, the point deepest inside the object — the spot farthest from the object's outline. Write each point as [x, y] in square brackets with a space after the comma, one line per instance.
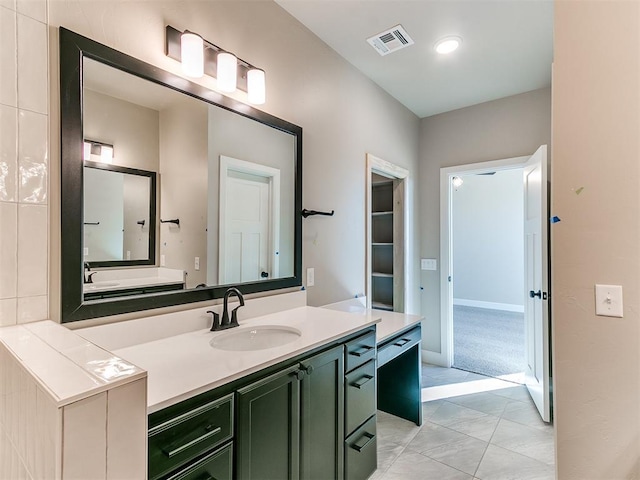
[225, 210]
[119, 216]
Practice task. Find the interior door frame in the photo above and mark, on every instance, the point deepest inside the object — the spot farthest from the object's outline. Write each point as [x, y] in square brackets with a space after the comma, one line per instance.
[445, 358]
[273, 176]
[395, 172]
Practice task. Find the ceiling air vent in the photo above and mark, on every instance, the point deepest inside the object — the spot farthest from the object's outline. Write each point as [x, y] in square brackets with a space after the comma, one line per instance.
[390, 40]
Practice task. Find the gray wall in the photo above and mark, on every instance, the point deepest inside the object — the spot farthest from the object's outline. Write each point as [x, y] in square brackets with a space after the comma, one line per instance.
[504, 128]
[488, 246]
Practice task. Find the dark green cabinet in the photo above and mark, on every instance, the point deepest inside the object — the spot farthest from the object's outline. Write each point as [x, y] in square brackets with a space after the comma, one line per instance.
[322, 413]
[269, 427]
[290, 424]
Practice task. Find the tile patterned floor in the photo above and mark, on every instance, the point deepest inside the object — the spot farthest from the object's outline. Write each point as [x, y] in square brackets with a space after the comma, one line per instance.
[493, 435]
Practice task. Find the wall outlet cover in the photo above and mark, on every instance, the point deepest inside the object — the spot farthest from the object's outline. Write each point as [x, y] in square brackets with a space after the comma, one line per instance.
[429, 264]
[310, 277]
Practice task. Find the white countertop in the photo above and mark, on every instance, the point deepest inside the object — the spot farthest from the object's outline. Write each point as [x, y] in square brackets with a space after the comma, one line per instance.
[185, 365]
[391, 323]
[126, 283]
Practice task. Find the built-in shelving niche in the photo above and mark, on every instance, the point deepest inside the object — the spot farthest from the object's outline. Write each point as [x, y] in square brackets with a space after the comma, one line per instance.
[386, 243]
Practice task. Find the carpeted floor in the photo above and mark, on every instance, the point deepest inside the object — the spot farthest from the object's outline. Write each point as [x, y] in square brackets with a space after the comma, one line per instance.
[490, 342]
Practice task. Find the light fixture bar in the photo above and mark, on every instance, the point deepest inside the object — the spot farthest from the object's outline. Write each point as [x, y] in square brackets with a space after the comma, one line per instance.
[173, 50]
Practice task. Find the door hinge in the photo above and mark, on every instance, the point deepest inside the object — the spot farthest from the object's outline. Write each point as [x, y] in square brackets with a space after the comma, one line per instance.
[544, 295]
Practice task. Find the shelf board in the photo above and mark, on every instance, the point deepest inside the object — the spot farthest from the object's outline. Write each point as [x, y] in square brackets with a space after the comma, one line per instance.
[382, 183]
[380, 274]
[385, 244]
[380, 214]
[382, 306]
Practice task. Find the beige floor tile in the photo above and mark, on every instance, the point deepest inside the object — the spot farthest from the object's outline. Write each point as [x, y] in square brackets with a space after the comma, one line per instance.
[414, 466]
[501, 464]
[484, 402]
[529, 441]
[464, 454]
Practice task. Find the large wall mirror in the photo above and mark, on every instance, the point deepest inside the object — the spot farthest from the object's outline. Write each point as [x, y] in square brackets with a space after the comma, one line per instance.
[171, 193]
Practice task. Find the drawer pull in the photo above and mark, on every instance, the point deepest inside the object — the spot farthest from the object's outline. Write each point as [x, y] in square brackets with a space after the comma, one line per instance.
[363, 381]
[402, 343]
[172, 450]
[370, 437]
[361, 351]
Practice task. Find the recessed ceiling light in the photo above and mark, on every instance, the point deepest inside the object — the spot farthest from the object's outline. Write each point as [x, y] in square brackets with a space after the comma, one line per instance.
[447, 44]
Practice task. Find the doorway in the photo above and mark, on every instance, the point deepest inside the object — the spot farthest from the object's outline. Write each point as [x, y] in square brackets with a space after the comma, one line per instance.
[535, 292]
[386, 235]
[487, 228]
[249, 221]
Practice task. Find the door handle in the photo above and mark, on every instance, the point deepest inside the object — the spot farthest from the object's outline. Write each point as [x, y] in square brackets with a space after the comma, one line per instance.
[533, 294]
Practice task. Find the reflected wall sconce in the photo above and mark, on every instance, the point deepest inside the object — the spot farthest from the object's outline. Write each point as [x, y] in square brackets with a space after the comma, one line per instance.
[457, 181]
[199, 57]
[102, 150]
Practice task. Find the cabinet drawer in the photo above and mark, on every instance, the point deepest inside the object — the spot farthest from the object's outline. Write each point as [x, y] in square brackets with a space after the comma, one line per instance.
[360, 390]
[360, 351]
[397, 345]
[217, 466]
[188, 435]
[361, 452]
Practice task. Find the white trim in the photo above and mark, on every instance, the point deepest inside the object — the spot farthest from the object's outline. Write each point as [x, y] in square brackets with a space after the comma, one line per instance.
[446, 270]
[434, 358]
[387, 169]
[506, 307]
[273, 176]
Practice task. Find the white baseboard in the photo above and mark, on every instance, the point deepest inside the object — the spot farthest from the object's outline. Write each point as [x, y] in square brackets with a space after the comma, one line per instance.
[434, 358]
[507, 307]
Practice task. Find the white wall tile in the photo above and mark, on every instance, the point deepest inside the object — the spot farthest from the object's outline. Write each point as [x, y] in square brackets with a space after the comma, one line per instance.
[32, 251]
[10, 4]
[48, 434]
[85, 439]
[32, 309]
[36, 9]
[33, 54]
[8, 250]
[32, 157]
[127, 431]
[8, 153]
[8, 72]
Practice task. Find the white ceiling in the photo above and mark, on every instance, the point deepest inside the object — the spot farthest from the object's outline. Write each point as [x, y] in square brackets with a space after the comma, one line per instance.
[507, 46]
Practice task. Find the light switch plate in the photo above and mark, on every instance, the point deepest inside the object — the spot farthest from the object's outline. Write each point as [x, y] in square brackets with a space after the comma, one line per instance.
[429, 264]
[609, 300]
[196, 263]
[311, 277]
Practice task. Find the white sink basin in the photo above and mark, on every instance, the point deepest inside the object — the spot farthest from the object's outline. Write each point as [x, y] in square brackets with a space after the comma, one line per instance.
[255, 338]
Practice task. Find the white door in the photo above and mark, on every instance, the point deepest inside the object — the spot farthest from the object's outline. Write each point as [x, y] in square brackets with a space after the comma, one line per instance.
[536, 281]
[247, 228]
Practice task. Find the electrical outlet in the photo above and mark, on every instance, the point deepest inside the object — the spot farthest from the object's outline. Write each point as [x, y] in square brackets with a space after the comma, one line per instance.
[128, 254]
[85, 251]
[196, 264]
[162, 262]
[310, 277]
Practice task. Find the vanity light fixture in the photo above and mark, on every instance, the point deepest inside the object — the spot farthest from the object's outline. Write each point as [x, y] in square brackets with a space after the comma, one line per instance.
[447, 44]
[102, 150]
[192, 54]
[227, 72]
[199, 57]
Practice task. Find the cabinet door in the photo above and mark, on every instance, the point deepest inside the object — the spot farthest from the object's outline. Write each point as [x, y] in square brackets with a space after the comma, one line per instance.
[322, 417]
[268, 439]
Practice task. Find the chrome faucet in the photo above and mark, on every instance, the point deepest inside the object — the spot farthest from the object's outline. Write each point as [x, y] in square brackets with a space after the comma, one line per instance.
[88, 278]
[226, 322]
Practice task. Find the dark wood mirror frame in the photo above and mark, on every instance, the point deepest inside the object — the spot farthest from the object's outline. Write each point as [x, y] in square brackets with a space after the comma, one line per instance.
[73, 49]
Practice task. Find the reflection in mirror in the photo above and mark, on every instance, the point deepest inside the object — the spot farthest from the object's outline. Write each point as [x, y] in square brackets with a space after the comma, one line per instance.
[229, 177]
[119, 216]
[234, 228]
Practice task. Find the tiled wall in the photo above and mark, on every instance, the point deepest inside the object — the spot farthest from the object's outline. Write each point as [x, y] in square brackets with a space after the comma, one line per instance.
[24, 130]
[30, 424]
